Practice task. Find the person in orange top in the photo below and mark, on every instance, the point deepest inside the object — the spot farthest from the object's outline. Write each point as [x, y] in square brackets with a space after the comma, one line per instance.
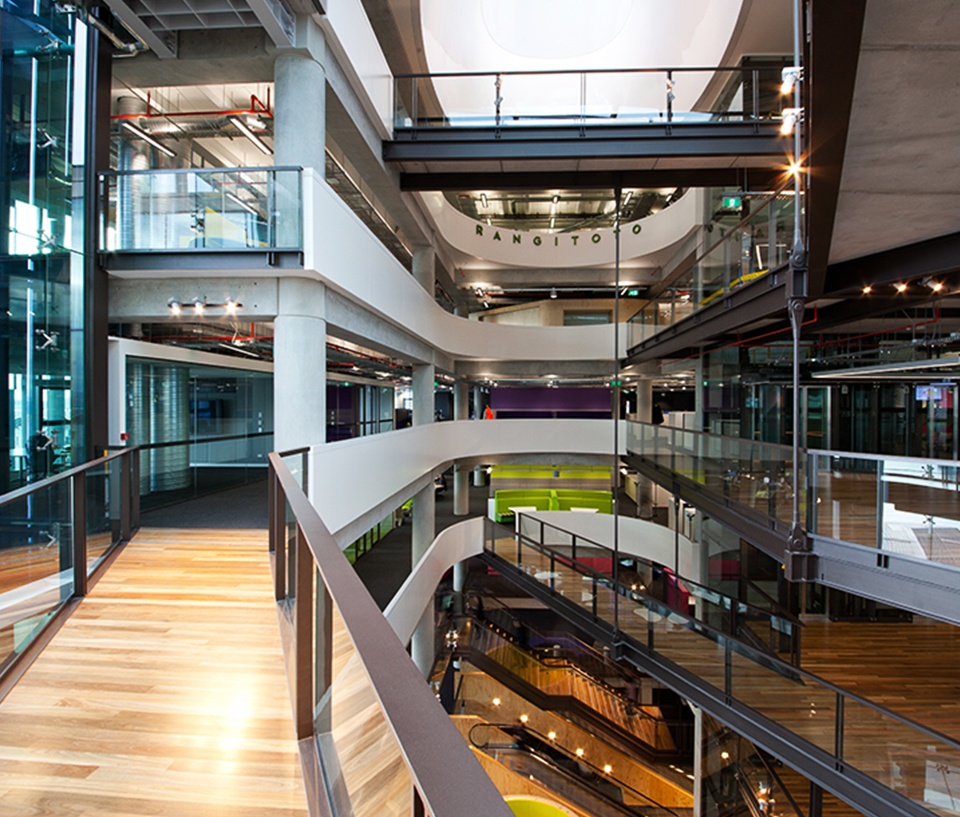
[488, 413]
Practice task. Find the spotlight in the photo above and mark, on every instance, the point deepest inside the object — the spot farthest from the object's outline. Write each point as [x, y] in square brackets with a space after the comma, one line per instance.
[789, 77]
[901, 287]
[483, 199]
[174, 306]
[552, 735]
[791, 116]
[230, 307]
[579, 752]
[867, 289]
[607, 768]
[936, 286]
[553, 292]
[496, 702]
[524, 718]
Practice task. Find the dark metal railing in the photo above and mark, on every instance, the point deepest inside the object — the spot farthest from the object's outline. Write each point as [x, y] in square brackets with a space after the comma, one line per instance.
[57, 536]
[343, 655]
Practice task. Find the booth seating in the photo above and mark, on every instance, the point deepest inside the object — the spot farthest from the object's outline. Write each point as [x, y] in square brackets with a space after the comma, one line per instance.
[547, 499]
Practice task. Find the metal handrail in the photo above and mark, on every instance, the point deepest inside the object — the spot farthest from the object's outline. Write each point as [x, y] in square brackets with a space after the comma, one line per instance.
[577, 539]
[886, 458]
[655, 70]
[719, 437]
[406, 700]
[31, 487]
[789, 670]
[195, 171]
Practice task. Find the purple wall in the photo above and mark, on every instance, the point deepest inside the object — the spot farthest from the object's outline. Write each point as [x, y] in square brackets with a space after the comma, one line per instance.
[572, 402]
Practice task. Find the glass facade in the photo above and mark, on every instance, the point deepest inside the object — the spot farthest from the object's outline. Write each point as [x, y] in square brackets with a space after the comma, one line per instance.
[43, 103]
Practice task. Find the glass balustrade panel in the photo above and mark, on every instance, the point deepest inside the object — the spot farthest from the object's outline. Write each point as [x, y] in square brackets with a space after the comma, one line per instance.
[36, 564]
[103, 510]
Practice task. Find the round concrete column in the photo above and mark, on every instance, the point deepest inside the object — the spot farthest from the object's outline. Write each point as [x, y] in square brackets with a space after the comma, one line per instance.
[425, 267]
[461, 490]
[422, 645]
[461, 401]
[424, 404]
[478, 477]
[299, 117]
[300, 365]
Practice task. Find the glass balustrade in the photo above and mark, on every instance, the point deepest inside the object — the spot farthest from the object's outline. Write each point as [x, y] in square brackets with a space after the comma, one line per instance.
[906, 506]
[583, 98]
[55, 534]
[735, 249]
[756, 475]
[838, 723]
[196, 210]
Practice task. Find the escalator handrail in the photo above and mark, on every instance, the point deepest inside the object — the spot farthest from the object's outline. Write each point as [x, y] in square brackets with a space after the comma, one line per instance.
[512, 729]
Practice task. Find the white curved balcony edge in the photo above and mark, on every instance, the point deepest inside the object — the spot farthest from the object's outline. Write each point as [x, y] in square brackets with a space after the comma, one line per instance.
[593, 248]
[387, 469]
[346, 256]
[452, 545]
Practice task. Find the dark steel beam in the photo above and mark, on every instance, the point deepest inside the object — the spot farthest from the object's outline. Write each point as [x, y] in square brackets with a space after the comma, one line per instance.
[735, 140]
[936, 257]
[759, 299]
[755, 178]
[831, 70]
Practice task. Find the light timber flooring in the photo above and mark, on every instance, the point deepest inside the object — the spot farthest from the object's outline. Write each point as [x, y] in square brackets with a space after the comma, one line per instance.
[164, 694]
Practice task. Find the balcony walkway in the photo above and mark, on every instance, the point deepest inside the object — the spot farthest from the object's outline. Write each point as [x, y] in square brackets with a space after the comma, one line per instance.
[164, 694]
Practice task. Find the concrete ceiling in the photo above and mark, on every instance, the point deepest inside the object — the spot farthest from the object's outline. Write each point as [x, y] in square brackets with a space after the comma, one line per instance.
[902, 165]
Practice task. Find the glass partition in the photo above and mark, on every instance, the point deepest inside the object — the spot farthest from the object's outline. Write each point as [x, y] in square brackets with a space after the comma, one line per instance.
[190, 210]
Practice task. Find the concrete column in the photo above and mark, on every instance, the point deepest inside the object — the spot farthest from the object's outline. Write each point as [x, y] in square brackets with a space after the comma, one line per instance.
[477, 400]
[424, 267]
[424, 404]
[299, 115]
[698, 740]
[300, 365]
[644, 413]
[424, 518]
[422, 536]
[478, 477]
[423, 641]
[461, 401]
[461, 490]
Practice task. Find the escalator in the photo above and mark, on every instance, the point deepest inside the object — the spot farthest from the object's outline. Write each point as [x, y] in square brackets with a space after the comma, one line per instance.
[593, 789]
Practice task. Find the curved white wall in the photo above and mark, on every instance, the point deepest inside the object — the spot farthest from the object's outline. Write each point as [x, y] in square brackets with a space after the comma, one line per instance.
[456, 543]
[352, 478]
[343, 253]
[517, 248]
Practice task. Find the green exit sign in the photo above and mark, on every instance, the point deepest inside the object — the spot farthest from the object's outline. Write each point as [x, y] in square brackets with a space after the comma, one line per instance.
[731, 202]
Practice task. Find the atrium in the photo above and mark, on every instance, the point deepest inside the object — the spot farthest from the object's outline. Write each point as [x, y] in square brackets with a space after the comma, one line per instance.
[697, 261]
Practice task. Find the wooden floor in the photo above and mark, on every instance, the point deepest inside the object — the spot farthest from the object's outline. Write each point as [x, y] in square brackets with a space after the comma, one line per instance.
[163, 695]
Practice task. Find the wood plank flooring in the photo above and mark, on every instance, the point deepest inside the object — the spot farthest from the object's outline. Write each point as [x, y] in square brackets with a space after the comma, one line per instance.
[163, 695]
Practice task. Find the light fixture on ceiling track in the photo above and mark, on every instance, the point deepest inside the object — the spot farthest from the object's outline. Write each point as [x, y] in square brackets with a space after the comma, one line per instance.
[200, 306]
[142, 134]
[244, 128]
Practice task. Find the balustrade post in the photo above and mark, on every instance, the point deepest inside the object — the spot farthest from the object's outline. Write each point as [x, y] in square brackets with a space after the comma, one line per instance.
[78, 516]
[123, 463]
[838, 729]
[727, 671]
[135, 488]
[302, 577]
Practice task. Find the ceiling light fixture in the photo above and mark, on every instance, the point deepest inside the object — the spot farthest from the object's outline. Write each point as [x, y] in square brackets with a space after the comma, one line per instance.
[867, 289]
[553, 292]
[483, 199]
[789, 77]
[237, 200]
[242, 126]
[901, 287]
[200, 306]
[142, 134]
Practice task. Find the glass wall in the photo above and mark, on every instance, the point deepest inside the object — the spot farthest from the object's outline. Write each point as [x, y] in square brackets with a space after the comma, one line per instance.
[42, 98]
[203, 428]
